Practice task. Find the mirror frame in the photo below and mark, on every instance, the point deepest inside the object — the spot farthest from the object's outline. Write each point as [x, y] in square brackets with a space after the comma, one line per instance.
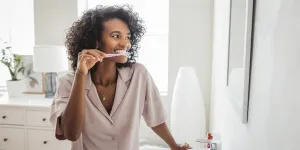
[242, 106]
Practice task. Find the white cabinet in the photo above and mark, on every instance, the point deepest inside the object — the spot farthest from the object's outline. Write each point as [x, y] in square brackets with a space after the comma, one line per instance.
[37, 118]
[44, 140]
[24, 125]
[12, 139]
[12, 116]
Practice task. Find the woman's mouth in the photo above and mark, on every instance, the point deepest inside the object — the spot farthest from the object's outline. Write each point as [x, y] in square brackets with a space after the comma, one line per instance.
[120, 51]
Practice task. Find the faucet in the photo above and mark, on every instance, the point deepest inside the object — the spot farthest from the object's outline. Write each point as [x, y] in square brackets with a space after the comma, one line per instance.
[214, 144]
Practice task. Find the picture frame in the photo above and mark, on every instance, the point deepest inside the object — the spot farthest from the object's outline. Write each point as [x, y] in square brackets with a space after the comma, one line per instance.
[240, 41]
[34, 81]
[34, 84]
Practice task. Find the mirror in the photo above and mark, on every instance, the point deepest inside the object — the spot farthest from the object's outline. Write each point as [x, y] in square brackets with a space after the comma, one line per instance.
[179, 35]
[239, 55]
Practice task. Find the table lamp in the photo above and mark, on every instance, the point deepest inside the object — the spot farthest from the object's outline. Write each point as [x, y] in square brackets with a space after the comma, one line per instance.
[50, 60]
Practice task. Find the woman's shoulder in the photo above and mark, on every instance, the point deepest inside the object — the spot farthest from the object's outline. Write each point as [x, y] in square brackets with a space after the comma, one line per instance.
[66, 78]
[139, 67]
[141, 71]
[134, 67]
[135, 70]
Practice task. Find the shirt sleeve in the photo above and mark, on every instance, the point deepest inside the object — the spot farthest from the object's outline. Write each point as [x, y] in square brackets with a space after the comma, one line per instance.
[153, 113]
[58, 105]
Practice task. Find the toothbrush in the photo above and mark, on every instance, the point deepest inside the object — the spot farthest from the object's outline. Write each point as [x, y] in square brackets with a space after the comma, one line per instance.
[114, 55]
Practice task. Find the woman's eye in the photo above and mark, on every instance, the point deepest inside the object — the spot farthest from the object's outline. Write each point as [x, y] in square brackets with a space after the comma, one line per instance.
[127, 37]
[115, 36]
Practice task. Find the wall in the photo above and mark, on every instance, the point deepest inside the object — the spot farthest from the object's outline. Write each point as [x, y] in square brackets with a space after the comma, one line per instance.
[274, 122]
[190, 35]
[190, 42]
[51, 19]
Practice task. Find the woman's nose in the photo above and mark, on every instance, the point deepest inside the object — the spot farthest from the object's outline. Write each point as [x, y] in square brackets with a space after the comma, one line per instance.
[125, 44]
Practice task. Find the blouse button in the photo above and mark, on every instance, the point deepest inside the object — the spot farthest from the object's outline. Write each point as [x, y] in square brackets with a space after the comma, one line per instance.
[113, 138]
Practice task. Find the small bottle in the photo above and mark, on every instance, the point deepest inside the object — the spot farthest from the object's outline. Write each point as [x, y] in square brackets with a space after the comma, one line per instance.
[208, 137]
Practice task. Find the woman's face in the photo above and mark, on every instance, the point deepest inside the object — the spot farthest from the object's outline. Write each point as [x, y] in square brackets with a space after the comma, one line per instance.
[115, 39]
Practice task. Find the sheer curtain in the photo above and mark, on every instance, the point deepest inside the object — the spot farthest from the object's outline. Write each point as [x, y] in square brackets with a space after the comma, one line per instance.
[154, 45]
[4, 36]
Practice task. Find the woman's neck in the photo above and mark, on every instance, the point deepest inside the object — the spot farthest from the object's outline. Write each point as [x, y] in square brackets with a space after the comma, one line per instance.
[105, 73]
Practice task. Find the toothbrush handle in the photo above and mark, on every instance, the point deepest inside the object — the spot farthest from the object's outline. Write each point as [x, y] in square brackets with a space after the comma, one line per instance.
[112, 55]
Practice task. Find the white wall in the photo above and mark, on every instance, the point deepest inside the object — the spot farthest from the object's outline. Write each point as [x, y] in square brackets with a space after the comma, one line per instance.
[274, 122]
[190, 30]
[51, 19]
[190, 42]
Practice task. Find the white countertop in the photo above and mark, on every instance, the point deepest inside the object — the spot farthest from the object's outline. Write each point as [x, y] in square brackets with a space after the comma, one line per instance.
[25, 100]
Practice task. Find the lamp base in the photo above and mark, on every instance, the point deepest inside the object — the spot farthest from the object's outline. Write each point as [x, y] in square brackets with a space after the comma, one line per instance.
[50, 84]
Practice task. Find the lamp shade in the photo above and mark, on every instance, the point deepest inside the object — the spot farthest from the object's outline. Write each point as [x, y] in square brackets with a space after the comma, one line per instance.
[50, 58]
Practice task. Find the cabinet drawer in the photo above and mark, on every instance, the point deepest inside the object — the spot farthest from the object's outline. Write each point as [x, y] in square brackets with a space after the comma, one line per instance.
[12, 116]
[12, 139]
[45, 140]
[37, 118]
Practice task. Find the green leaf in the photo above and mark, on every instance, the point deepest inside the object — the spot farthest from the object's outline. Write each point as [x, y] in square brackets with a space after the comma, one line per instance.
[21, 69]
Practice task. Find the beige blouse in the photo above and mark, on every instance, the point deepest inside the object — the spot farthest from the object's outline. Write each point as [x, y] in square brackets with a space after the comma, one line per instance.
[136, 96]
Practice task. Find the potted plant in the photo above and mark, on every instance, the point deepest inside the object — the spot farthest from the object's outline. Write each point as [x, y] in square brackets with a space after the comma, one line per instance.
[15, 66]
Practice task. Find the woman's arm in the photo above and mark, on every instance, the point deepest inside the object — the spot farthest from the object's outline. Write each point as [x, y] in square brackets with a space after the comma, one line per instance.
[154, 114]
[72, 120]
[163, 131]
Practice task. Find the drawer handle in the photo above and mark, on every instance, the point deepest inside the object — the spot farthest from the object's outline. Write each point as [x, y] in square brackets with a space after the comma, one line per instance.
[5, 139]
[3, 117]
[45, 142]
[44, 119]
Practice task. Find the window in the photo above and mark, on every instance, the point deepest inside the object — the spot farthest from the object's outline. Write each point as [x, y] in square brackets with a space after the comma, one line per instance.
[154, 45]
[4, 36]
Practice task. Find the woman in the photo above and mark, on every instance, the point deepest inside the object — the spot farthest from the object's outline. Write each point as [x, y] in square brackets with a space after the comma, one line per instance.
[99, 106]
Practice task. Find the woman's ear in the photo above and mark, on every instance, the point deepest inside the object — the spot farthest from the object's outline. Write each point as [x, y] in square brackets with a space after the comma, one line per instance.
[99, 45]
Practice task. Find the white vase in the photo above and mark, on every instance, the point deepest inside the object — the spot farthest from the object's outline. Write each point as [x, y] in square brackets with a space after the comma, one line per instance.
[188, 121]
[15, 88]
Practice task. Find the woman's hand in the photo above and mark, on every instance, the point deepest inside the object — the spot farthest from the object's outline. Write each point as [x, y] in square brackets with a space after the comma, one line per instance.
[183, 147]
[87, 59]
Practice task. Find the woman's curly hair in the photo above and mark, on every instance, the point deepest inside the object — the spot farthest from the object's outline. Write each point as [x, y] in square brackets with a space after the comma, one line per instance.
[86, 32]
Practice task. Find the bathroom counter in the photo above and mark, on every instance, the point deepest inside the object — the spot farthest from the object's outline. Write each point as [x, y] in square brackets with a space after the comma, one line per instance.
[25, 100]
